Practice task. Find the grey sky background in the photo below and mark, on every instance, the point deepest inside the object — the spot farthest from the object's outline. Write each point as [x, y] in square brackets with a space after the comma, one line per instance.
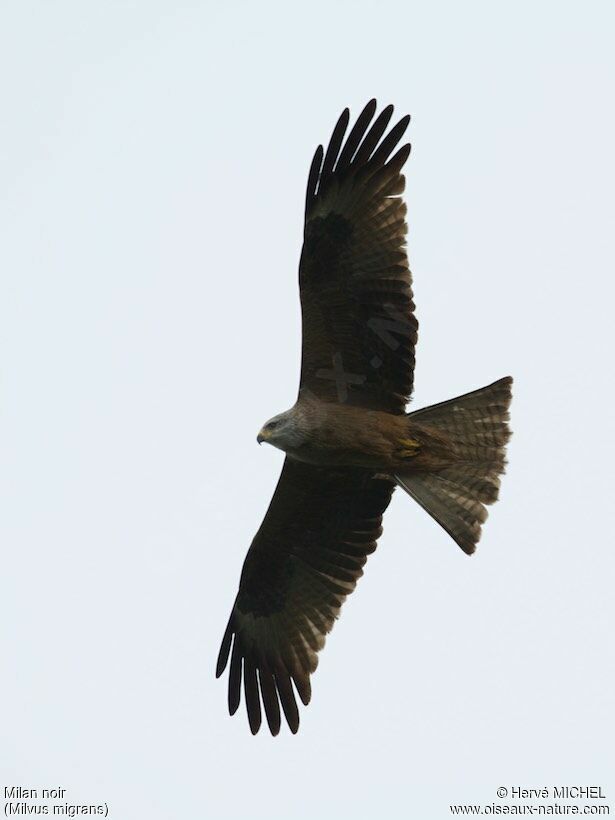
[153, 158]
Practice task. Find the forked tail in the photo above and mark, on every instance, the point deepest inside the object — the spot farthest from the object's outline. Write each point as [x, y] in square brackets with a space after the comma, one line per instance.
[476, 427]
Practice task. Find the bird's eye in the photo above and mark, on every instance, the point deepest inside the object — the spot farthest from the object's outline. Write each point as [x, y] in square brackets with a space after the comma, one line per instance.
[273, 424]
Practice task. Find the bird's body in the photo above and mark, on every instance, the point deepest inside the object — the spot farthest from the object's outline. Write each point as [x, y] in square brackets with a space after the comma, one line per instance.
[348, 439]
[339, 435]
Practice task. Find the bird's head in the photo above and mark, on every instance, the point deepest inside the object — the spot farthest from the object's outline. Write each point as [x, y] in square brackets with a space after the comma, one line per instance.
[281, 431]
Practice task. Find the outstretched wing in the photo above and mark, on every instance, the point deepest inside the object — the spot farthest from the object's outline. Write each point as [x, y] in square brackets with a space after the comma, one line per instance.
[305, 559]
[359, 329]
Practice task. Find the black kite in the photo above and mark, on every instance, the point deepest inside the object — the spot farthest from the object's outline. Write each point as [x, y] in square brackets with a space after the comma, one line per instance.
[348, 440]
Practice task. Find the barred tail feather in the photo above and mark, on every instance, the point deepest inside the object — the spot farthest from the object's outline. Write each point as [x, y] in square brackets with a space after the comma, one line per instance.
[476, 427]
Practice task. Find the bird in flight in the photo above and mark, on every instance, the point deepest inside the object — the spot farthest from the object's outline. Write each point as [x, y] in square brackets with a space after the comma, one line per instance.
[348, 439]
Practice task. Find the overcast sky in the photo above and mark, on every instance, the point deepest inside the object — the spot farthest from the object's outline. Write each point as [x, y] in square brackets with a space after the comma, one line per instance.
[153, 159]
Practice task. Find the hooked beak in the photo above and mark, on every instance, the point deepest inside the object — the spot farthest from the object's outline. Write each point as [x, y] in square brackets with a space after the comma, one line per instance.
[262, 436]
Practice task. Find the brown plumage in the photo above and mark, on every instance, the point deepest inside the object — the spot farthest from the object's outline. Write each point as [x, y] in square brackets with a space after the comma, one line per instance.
[348, 440]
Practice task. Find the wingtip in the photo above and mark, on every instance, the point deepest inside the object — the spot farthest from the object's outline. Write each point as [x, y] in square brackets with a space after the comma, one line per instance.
[221, 662]
[225, 649]
[343, 119]
[403, 153]
[254, 728]
[369, 109]
[305, 692]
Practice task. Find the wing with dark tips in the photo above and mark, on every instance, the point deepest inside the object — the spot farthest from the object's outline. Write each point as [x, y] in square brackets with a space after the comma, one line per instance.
[306, 558]
[359, 328]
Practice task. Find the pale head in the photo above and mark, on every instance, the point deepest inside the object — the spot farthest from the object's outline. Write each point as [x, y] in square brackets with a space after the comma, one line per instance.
[282, 431]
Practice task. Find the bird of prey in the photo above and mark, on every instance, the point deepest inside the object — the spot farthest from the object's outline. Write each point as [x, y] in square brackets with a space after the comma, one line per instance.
[348, 439]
